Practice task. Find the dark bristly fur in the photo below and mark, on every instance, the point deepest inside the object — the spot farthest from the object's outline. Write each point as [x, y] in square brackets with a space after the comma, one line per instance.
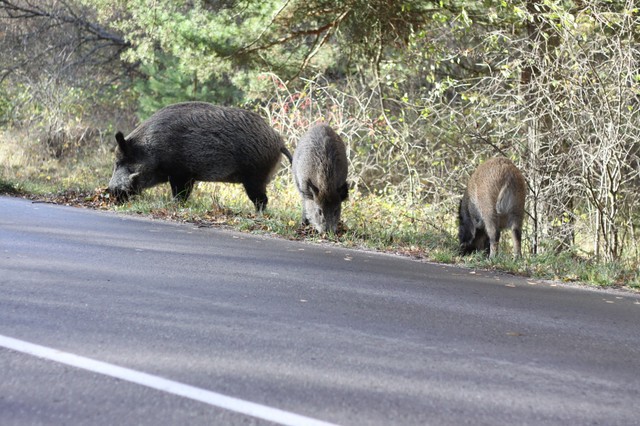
[320, 173]
[196, 141]
[493, 201]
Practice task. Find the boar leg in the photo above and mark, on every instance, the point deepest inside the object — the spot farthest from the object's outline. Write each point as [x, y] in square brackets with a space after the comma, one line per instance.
[494, 240]
[480, 242]
[516, 234]
[257, 193]
[181, 187]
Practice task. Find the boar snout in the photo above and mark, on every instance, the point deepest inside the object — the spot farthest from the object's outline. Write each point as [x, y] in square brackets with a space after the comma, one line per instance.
[119, 195]
[324, 219]
[122, 188]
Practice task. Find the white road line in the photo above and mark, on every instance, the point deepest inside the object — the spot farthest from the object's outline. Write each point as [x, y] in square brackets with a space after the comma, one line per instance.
[212, 398]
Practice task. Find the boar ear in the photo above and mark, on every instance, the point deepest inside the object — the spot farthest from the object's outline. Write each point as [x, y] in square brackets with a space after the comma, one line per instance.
[343, 191]
[134, 178]
[312, 189]
[122, 143]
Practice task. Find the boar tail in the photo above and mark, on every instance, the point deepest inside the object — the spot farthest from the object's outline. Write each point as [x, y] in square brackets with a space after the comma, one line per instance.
[287, 154]
[507, 200]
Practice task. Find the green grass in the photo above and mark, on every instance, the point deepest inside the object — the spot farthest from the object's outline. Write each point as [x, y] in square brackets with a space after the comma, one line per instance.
[7, 187]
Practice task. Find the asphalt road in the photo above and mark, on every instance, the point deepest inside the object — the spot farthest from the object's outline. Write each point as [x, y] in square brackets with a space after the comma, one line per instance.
[346, 337]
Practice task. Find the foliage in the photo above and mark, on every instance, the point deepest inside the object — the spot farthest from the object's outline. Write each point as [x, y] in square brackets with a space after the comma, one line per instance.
[5, 105]
[230, 43]
[165, 84]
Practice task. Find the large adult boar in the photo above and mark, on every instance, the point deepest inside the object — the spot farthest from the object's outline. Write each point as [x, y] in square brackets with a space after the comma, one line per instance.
[320, 173]
[493, 201]
[196, 141]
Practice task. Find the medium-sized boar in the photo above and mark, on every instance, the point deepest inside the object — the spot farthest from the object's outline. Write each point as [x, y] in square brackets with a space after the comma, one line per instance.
[493, 201]
[320, 173]
[197, 141]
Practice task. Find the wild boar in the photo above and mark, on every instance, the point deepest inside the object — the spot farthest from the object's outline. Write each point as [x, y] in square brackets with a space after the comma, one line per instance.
[197, 141]
[320, 174]
[493, 201]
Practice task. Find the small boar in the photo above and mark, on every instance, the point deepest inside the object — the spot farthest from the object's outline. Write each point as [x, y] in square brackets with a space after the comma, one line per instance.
[197, 141]
[493, 201]
[320, 173]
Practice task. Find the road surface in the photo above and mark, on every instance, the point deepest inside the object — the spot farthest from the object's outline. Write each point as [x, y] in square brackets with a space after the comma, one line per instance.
[110, 319]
